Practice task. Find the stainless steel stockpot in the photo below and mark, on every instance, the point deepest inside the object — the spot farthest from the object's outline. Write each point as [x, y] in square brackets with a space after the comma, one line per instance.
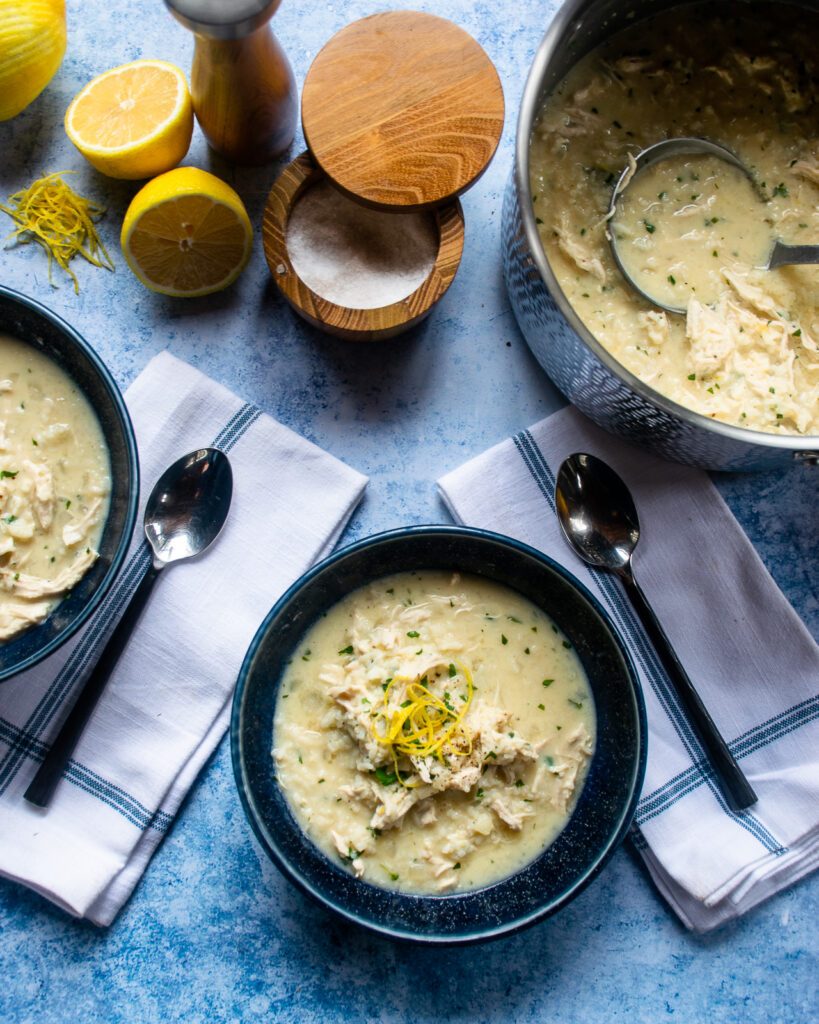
[585, 372]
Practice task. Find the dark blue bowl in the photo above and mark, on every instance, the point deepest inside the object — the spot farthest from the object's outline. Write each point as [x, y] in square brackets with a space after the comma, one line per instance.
[606, 804]
[27, 320]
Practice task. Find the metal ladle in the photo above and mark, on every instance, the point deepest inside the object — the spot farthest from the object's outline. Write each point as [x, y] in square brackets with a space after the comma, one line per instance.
[781, 255]
[599, 520]
[184, 515]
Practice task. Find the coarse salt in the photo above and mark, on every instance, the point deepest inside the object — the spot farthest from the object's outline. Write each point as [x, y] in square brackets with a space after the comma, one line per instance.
[357, 257]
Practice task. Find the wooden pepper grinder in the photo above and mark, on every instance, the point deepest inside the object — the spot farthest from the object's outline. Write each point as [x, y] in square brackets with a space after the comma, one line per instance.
[242, 85]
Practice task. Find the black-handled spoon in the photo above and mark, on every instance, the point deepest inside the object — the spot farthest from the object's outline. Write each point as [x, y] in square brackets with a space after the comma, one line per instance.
[599, 520]
[183, 516]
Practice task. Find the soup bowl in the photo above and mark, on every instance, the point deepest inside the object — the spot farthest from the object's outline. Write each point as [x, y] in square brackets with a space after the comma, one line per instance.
[605, 805]
[587, 374]
[30, 322]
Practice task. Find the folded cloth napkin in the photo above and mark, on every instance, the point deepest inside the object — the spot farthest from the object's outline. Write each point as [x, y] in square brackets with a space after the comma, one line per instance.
[168, 704]
[747, 652]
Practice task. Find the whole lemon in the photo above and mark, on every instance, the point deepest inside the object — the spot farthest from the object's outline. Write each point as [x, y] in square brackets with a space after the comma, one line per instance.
[32, 44]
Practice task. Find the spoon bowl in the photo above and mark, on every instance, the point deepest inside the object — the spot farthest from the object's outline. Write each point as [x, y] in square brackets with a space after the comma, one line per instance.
[189, 505]
[596, 512]
[781, 254]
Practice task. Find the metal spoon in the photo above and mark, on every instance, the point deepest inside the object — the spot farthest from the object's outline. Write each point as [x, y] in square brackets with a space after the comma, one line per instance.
[781, 255]
[599, 520]
[184, 515]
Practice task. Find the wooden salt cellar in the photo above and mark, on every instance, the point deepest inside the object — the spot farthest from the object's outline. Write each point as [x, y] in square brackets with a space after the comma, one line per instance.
[402, 112]
[242, 85]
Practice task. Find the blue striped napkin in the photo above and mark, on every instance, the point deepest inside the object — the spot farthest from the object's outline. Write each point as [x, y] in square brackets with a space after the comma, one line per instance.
[168, 704]
[748, 653]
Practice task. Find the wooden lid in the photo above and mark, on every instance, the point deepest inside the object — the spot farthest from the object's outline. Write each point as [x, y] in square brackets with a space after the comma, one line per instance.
[402, 110]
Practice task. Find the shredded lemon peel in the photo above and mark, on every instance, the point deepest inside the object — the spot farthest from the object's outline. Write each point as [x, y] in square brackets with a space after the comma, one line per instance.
[61, 221]
[425, 725]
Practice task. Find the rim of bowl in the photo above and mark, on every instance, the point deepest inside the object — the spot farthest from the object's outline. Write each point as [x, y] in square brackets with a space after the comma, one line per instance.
[479, 934]
[133, 496]
[533, 93]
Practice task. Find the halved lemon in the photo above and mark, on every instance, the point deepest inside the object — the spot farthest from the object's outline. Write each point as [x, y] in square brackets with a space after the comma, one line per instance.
[186, 233]
[134, 121]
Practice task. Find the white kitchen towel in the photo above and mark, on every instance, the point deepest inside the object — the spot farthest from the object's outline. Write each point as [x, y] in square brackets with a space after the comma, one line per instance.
[747, 652]
[168, 703]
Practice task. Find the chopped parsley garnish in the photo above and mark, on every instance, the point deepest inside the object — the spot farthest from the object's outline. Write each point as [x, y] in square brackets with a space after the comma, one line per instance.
[513, 619]
[346, 650]
[692, 376]
[504, 639]
[575, 703]
[452, 671]
[650, 228]
[8, 474]
[542, 707]
[385, 777]
[567, 645]
[519, 783]
[413, 633]
[10, 519]
[672, 279]
[548, 682]
[781, 190]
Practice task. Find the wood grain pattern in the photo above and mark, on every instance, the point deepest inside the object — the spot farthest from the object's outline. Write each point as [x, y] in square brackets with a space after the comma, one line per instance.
[402, 109]
[244, 96]
[353, 324]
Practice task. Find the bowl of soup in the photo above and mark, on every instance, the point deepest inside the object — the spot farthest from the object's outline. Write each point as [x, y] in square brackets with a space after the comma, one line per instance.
[69, 482]
[732, 381]
[438, 734]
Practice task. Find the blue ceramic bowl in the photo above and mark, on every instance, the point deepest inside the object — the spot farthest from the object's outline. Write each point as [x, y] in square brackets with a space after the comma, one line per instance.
[27, 320]
[607, 801]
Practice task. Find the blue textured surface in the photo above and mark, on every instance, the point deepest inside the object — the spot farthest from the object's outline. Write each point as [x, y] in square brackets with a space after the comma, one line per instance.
[213, 933]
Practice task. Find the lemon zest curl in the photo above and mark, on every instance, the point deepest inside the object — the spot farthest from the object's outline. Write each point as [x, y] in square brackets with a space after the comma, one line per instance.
[425, 725]
[61, 221]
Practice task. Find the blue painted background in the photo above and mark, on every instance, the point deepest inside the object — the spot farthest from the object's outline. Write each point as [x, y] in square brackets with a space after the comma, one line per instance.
[213, 933]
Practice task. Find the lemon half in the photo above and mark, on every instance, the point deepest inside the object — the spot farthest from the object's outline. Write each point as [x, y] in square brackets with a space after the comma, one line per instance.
[134, 121]
[186, 233]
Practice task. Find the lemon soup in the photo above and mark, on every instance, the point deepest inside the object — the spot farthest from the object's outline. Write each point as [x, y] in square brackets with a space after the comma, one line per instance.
[433, 731]
[54, 486]
[694, 231]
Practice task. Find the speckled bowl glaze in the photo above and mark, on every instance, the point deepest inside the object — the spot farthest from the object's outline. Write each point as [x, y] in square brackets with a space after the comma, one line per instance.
[606, 804]
[31, 322]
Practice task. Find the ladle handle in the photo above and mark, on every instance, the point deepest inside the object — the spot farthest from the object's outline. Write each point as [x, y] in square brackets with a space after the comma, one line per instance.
[50, 771]
[732, 782]
[783, 255]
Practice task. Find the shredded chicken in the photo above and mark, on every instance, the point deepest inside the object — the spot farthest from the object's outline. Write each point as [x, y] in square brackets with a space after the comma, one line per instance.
[576, 251]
